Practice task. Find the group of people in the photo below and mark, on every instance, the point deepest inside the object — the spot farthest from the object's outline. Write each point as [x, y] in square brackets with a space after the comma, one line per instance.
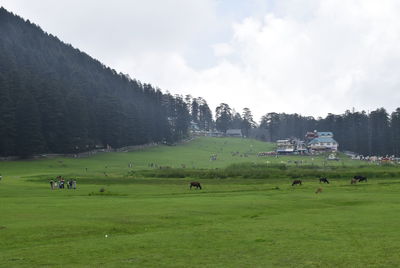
[60, 183]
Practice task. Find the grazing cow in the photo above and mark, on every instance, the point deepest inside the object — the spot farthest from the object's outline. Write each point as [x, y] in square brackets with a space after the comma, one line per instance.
[324, 180]
[353, 181]
[360, 178]
[319, 190]
[195, 184]
[296, 182]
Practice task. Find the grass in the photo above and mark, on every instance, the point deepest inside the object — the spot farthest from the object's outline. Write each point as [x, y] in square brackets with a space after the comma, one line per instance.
[233, 222]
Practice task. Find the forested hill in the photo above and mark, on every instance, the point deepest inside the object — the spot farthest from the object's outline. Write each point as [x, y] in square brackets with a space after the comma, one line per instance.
[55, 98]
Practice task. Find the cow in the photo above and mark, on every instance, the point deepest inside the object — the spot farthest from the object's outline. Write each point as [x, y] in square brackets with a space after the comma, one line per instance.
[360, 178]
[319, 190]
[324, 180]
[296, 182]
[353, 181]
[195, 184]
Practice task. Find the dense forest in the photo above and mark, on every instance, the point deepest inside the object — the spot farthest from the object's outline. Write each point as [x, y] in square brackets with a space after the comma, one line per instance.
[57, 99]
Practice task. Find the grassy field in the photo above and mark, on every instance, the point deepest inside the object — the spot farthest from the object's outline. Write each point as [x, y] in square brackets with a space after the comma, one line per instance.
[238, 221]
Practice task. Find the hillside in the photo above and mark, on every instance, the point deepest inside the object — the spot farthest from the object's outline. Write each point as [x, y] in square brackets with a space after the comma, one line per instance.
[193, 155]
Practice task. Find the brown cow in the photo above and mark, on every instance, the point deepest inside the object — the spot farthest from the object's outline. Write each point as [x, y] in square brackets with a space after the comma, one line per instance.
[195, 184]
[296, 182]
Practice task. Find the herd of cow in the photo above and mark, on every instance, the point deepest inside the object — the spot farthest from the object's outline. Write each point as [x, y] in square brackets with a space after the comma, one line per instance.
[354, 180]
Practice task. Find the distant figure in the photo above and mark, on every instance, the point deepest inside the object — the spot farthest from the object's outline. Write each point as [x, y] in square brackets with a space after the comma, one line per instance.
[61, 184]
[353, 181]
[52, 185]
[70, 184]
[324, 180]
[86, 169]
[74, 184]
[319, 190]
[195, 184]
[295, 182]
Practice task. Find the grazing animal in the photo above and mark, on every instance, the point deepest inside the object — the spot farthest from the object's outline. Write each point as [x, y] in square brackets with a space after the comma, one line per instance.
[319, 190]
[195, 184]
[324, 180]
[353, 181]
[360, 178]
[296, 182]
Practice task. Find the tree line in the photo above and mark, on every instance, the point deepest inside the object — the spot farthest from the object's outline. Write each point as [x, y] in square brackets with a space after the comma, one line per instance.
[57, 99]
[373, 133]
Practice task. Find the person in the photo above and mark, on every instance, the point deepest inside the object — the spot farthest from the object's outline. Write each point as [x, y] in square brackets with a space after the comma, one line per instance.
[52, 185]
[74, 184]
[70, 184]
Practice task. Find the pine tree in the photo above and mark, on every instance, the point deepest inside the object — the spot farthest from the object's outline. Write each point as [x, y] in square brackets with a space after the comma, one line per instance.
[224, 117]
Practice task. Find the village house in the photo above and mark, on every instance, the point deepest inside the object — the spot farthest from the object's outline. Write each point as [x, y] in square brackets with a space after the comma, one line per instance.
[284, 147]
[290, 146]
[234, 133]
[323, 142]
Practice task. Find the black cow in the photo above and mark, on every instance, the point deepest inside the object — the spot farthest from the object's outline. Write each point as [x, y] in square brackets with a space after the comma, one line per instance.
[296, 182]
[324, 180]
[195, 184]
[360, 178]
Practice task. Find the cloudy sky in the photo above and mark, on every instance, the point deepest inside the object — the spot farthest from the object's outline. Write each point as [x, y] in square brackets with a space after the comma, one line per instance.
[306, 56]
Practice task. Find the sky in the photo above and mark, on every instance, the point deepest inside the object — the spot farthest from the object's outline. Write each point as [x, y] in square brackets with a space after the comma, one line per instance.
[295, 56]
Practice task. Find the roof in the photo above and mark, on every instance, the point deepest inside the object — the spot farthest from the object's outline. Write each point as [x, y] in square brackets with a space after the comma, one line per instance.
[325, 133]
[322, 139]
[234, 132]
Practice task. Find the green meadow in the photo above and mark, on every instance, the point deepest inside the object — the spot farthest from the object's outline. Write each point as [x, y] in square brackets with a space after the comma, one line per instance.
[246, 215]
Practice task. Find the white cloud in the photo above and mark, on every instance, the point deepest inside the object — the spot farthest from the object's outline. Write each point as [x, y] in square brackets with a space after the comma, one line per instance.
[222, 49]
[335, 56]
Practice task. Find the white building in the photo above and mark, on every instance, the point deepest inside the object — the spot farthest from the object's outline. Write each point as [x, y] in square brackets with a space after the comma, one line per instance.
[234, 133]
[284, 147]
[324, 142]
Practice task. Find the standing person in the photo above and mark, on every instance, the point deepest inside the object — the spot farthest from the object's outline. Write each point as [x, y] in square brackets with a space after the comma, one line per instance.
[74, 184]
[52, 185]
